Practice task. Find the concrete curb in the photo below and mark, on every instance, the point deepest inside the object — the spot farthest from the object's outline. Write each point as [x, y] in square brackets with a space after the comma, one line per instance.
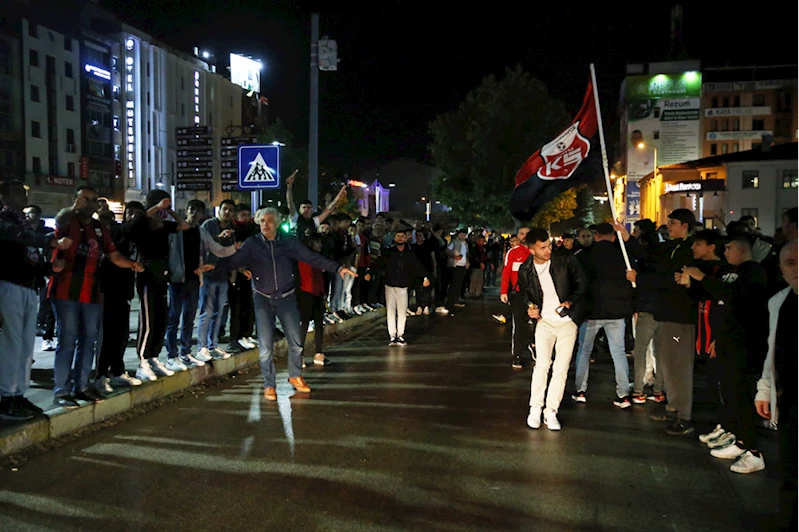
[60, 422]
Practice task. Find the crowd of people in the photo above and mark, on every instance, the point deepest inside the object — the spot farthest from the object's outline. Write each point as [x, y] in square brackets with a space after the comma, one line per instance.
[691, 297]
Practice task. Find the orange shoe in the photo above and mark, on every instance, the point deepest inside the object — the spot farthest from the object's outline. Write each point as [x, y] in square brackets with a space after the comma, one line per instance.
[270, 394]
[300, 385]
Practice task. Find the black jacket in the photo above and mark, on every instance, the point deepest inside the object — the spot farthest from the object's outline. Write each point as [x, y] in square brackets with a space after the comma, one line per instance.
[610, 294]
[400, 268]
[744, 329]
[569, 279]
[710, 311]
[674, 304]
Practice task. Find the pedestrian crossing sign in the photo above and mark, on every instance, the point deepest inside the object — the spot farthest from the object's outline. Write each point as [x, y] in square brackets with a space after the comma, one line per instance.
[259, 167]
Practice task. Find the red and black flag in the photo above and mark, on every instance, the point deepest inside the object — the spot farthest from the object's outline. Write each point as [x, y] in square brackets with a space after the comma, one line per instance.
[571, 158]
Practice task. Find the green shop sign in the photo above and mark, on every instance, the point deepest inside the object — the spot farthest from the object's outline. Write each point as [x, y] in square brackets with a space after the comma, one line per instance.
[685, 85]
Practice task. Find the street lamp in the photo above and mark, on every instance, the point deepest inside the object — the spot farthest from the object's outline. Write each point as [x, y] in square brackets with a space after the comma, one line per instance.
[641, 146]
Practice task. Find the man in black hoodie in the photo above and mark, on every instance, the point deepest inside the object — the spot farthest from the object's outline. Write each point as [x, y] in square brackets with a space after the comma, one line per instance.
[400, 266]
[741, 346]
[675, 312]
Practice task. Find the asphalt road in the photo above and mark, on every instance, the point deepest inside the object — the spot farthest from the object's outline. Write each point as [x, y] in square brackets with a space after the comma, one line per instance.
[427, 437]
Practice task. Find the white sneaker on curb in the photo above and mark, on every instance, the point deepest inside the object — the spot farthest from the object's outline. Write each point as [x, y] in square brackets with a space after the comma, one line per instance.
[48, 345]
[176, 364]
[551, 420]
[442, 310]
[748, 463]
[253, 341]
[419, 311]
[159, 368]
[722, 441]
[145, 373]
[189, 360]
[204, 355]
[319, 359]
[426, 311]
[534, 418]
[730, 452]
[712, 435]
[246, 344]
[102, 385]
[125, 380]
[220, 353]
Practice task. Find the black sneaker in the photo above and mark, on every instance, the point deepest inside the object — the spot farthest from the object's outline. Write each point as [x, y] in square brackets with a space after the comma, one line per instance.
[66, 401]
[11, 411]
[680, 427]
[234, 348]
[401, 341]
[90, 395]
[393, 342]
[517, 362]
[622, 402]
[26, 405]
[579, 397]
[664, 415]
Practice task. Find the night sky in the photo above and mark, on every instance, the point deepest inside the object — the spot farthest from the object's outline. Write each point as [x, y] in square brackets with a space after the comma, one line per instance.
[403, 62]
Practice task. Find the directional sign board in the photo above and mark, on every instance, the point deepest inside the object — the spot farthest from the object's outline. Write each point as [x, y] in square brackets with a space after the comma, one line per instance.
[259, 167]
[195, 158]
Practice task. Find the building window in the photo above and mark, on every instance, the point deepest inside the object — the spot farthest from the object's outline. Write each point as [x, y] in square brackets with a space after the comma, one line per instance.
[758, 124]
[751, 179]
[714, 102]
[725, 125]
[70, 137]
[736, 125]
[148, 127]
[35, 93]
[714, 125]
[67, 44]
[749, 212]
[725, 101]
[37, 165]
[68, 69]
[148, 70]
[790, 179]
[116, 123]
[714, 149]
[758, 100]
[33, 57]
[71, 170]
[70, 103]
[148, 156]
[148, 98]
[36, 129]
[724, 149]
[736, 101]
[735, 147]
[784, 102]
[33, 29]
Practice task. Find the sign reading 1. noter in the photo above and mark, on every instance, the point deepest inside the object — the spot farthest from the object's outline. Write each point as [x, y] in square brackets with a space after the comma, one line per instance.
[686, 84]
[259, 167]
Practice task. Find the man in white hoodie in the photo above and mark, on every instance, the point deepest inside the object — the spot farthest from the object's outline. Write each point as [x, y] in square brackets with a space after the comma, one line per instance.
[777, 388]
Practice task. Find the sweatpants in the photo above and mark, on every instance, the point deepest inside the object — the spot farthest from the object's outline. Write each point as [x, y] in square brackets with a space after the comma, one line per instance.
[456, 286]
[548, 335]
[645, 329]
[152, 318]
[676, 348]
[18, 306]
[476, 282]
[116, 329]
[523, 332]
[311, 308]
[242, 314]
[397, 309]
[737, 386]
[424, 295]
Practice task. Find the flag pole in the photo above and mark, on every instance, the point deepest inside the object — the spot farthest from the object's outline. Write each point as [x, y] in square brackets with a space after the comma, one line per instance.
[605, 168]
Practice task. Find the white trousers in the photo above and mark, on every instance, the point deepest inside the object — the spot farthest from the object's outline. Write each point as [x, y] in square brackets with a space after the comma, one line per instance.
[548, 336]
[396, 310]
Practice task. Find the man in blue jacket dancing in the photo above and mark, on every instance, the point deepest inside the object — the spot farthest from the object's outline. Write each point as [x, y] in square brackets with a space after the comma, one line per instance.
[269, 257]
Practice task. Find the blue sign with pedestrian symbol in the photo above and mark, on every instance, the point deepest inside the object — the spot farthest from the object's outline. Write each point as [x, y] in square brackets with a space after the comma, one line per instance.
[259, 167]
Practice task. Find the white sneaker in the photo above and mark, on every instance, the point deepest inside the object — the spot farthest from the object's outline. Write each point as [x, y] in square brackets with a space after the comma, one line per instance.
[204, 355]
[426, 311]
[176, 364]
[409, 313]
[442, 310]
[534, 418]
[319, 359]
[419, 311]
[724, 440]
[220, 353]
[189, 360]
[748, 463]
[245, 343]
[48, 345]
[253, 341]
[145, 373]
[551, 420]
[159, 368]
[125, 380]
[500, 318]
[712, 435]
[730, 452]
[359, 310]
[102, 385]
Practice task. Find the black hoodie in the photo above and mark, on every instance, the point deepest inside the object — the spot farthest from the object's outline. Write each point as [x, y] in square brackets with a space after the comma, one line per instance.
[401, 267]
[673, 302]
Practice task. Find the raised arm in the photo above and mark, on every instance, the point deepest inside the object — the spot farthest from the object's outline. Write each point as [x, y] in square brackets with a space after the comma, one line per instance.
[208, 243]
[332, 205]
[290, 194]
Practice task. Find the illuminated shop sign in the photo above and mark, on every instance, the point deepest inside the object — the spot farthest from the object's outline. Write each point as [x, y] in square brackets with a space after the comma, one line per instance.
[99, 72]
[130, 110]
[196, 97]
[683, 187]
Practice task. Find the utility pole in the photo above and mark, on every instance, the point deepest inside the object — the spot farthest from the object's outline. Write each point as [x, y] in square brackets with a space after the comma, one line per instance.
[313, 142]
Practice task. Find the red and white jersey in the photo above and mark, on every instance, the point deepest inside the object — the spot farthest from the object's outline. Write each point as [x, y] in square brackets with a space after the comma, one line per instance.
[514, 259]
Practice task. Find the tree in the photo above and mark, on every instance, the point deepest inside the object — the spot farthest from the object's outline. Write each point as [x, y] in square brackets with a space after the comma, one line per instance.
[480, 146]
[559, 208]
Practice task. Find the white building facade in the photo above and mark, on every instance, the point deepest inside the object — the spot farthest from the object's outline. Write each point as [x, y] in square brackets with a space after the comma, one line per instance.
[762, 189]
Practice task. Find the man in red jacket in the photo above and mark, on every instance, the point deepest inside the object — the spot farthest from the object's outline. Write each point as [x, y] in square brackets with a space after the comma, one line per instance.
[509, 293]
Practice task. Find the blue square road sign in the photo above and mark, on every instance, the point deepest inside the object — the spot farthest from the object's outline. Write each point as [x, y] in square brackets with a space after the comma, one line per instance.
[259, 167]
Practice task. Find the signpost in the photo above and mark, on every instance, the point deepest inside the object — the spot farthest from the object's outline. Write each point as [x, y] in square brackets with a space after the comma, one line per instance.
[195, 158]
[229, 157]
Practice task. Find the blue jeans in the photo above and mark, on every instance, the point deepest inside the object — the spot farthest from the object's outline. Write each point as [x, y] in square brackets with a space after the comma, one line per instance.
[18, 306]
[614, 330]
[285, 309]
[213, 296]
[183, 299]
[78, 323]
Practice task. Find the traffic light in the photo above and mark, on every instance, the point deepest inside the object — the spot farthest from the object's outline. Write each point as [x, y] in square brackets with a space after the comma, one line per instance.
[328, 54]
